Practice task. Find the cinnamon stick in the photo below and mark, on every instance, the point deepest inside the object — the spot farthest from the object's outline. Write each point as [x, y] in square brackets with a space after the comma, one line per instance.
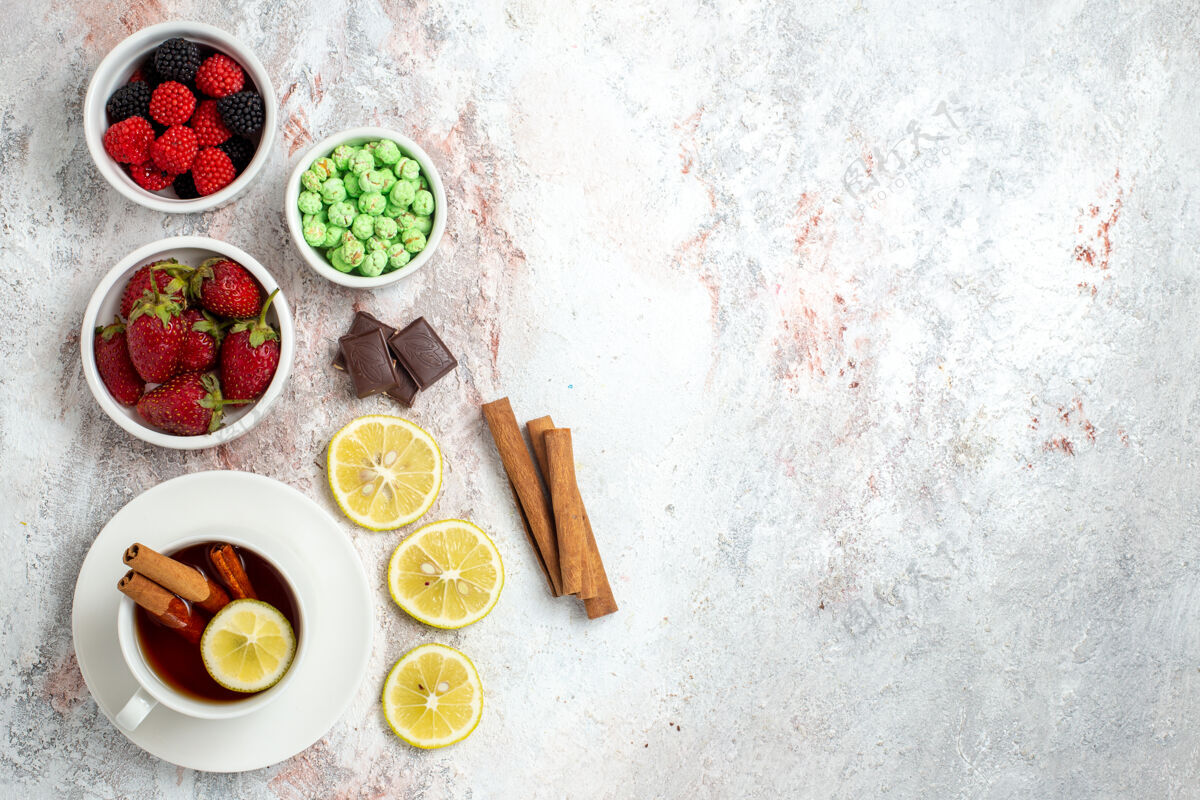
[601, 601]
[532, 498]
[229, 568]
[568, 508]
[164, 606]
[537, 429]
[174, 576]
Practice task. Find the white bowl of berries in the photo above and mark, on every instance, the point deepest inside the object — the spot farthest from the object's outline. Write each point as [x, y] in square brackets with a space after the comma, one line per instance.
[187, 343]
[180, 117]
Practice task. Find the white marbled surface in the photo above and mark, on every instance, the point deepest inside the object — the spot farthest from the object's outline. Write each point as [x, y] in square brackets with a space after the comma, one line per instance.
[875, 324]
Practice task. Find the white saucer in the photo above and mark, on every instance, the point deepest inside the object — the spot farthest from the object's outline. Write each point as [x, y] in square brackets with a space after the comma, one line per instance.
[338, 623]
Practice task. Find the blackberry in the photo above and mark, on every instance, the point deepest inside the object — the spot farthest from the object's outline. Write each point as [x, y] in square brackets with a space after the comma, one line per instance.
[177, 60]
[131, 100]
[242, 112]
[185, 186]
[240, 151]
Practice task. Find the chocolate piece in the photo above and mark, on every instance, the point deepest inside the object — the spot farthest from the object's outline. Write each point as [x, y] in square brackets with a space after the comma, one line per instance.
[362, 323]
[369, 362]
[423, 353]
[405, 390]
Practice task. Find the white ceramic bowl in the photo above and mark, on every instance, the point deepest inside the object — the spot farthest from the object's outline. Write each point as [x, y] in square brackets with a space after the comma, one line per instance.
[357, 136]
[106, 302]
[114, 71]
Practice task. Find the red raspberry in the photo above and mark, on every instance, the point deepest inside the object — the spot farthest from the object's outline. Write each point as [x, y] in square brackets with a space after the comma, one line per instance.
[172, 103]
[175, 150]
[212, 171]
[219, 76]
[150, 177]
[128, 142]
[206, 122]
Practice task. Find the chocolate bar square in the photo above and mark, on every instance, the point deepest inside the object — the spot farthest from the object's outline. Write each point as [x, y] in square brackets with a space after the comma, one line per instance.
[422, 352]
[405, 390]
[362, 323]
[369, 362]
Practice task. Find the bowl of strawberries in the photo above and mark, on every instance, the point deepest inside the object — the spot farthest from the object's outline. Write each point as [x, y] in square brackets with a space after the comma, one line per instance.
[187, 342]
[179, 117]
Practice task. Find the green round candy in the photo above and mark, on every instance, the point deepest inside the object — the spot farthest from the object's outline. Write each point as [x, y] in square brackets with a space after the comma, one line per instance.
[338, 260]
[373, 264]
[348, 237]
[315, 232]
[341, 156]
[324, 167]
[387, 152]
[422, 204]
[342, 214]
[333, 190]
[374, 243]
[385, 227]
[310, 180]
[350, 181]
[406, 220]
[320, 216]
[392, 210]
[353, 252]
[360, 162]
[402, 194]
[424, 224]
[398, 256]
[309, 202]
[372, 203]
[333, 236]
[422, 183]
[363, 226]
[414, 240]
[408, 169]
[389, 180]
[371, 181]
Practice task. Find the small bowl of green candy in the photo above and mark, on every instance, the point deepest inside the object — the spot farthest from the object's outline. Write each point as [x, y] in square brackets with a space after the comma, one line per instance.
[366, 207]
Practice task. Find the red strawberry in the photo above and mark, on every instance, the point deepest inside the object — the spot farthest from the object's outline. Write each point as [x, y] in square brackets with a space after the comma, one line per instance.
[200, 341]
[175, 150]
[212, 171]
[187, 405]
[112, 361]
[155, 336]
[250, 356]
[220, 75]
[170, 278]
[206, 122]
[225, 287]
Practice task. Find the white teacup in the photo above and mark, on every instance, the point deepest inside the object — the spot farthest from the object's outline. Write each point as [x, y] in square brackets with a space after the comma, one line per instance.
[154, 690]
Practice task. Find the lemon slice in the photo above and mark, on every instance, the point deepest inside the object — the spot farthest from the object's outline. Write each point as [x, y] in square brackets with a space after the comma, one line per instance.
[433, 697]
[248, 646]
[384, 471]
[446, 574]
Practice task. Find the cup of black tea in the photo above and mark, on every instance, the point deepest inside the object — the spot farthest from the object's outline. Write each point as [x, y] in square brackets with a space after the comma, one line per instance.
[164, 653]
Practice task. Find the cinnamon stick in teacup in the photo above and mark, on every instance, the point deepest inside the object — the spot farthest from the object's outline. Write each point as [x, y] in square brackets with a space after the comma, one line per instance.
[164, 606]
[174, 576]
[229, 568]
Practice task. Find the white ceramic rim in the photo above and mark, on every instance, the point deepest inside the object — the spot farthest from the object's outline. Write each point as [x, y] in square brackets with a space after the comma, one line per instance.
[324, 147]
[226, 433]
[175, 700]
[121, 60]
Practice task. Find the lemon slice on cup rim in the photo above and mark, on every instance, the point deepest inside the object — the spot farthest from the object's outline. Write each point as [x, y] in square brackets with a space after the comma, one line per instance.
[433, 697]
[384, 471]
[248, 646]
[447, 574]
